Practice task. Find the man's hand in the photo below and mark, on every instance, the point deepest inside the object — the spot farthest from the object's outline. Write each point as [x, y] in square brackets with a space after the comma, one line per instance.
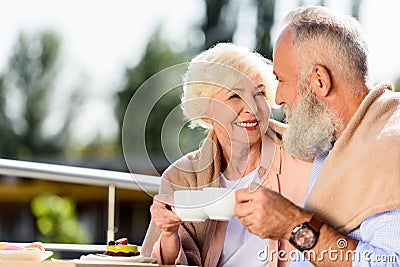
[267, 214]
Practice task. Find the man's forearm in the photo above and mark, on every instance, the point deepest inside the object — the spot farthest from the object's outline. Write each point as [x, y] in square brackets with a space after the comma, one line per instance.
[331, 248]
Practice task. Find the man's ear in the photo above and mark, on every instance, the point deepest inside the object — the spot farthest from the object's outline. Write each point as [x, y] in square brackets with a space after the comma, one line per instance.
[321, 82]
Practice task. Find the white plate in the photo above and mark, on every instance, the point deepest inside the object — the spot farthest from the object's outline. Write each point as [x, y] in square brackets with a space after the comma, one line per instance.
[100, 257]
[21, 255]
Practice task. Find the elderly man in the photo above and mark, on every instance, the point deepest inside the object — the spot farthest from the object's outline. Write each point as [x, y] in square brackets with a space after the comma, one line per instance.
[351, 130]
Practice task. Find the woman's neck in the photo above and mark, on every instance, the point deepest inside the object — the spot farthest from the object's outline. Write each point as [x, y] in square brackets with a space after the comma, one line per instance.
[239, 159]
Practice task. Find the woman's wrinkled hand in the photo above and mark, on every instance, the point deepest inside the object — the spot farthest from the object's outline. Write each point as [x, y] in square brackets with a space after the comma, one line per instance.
[163, 215]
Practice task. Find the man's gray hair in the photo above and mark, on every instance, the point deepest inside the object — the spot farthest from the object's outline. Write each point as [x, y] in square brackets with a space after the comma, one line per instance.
[320, 36]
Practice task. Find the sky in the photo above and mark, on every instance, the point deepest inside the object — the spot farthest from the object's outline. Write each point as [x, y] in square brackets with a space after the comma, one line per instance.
[100, 38]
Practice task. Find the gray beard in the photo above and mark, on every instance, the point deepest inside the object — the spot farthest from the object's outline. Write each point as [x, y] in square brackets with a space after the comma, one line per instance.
[311, 127]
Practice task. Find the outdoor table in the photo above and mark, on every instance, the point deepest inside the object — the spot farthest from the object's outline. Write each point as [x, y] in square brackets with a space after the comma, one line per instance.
[70, 263]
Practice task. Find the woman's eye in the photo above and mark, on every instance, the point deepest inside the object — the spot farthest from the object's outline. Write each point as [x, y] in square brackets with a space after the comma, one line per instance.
[234, 96]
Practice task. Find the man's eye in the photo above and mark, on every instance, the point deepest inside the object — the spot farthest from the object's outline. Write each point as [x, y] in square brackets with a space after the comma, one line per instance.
[261, 93]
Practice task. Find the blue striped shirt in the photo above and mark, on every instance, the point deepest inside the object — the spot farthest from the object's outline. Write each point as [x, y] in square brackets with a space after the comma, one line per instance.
[378, 235]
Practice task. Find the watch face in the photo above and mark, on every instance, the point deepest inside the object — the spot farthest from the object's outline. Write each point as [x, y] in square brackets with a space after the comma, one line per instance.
[305, 238]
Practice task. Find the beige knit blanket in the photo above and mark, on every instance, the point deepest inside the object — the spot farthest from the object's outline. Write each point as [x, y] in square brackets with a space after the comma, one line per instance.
[361, 175]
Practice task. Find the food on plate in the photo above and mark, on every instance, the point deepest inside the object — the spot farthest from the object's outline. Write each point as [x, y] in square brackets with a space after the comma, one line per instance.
[121, 247]
[35, 246]
[12, 247]
[23, 252]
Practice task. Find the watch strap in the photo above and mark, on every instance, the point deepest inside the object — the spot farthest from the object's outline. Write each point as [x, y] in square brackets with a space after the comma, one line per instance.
[315, 223]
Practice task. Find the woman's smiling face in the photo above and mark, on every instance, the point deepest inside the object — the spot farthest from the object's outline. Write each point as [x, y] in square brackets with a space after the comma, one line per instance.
[240, 113]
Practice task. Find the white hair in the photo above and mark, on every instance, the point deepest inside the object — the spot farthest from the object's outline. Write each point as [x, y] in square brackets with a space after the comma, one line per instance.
[337, 38]
[221, 66]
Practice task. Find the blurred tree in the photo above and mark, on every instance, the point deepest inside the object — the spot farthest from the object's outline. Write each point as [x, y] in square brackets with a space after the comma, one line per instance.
[26, 91]
[265, 20]
[220, 21]
[355, 9]
[8, 137]
[159, 55]
[397, 85]
[300, 3]
[57, 220]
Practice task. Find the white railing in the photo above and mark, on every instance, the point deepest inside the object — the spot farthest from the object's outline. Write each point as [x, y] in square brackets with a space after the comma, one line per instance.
[79, 175]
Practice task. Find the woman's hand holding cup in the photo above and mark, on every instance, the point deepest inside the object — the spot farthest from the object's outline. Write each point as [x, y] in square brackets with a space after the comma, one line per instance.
[163, 215]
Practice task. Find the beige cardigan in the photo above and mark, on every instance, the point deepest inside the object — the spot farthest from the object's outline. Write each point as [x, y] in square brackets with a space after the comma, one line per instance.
[361, 175]
[202, 243]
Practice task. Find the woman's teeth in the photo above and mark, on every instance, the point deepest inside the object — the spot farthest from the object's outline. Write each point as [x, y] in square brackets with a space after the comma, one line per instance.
[246, 124]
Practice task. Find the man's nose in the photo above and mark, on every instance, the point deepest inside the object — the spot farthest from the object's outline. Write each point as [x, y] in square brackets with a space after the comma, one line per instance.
[279, 100]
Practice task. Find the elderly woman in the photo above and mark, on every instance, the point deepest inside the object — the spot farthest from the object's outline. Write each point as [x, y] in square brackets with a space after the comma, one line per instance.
[227, 90]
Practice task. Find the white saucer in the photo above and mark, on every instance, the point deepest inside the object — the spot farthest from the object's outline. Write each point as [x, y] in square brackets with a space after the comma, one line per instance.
[22, 255]
[100, 257]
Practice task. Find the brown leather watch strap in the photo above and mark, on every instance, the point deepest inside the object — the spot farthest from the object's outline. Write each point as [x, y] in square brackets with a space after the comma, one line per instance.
[315, 223]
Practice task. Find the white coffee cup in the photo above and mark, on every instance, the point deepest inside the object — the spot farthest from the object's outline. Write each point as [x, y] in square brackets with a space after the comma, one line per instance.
[220, 203]
[189, 205]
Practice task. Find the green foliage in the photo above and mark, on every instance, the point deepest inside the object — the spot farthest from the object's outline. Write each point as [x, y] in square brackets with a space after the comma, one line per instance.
[159, 55]
[219, 24]
[26, 91]
[57, 221]
[7, 140]
[355, 9]
[265, 20]
[397, 85]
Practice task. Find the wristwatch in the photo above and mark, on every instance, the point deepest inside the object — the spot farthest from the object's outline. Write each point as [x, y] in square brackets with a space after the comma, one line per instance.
[305, 236]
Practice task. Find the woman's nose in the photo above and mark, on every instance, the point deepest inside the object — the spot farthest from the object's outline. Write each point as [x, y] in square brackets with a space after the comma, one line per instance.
[250, 106]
